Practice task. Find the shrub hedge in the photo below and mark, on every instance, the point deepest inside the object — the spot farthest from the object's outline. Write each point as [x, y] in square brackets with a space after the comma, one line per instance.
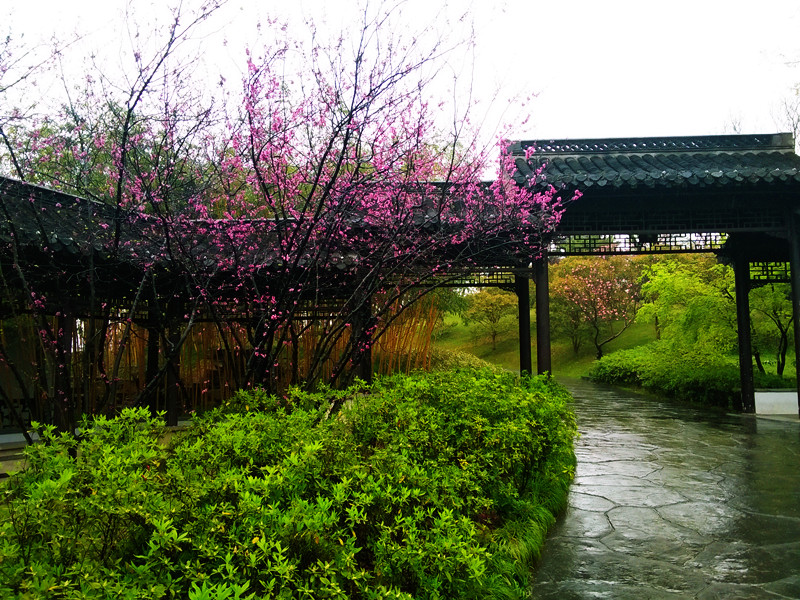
[668, 369]
[437, 485]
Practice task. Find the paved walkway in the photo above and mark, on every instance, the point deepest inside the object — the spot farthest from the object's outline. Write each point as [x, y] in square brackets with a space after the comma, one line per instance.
[672, 502]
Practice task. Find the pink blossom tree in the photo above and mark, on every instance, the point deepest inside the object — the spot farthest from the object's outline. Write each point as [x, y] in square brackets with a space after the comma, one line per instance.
[107, 146]
[322, 199]
[595, 297]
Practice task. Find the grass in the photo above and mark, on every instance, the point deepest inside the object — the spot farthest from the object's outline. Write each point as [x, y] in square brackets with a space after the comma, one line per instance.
[454, 335]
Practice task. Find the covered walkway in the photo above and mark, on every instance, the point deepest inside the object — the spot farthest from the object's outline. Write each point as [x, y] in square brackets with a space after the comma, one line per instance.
[113, 276]
[735, 195]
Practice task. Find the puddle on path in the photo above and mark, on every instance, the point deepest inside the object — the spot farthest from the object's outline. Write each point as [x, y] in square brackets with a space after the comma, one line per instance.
[674, 502]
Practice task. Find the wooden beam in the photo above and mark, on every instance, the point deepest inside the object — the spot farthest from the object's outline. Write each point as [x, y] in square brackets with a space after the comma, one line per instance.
[543, 357]
[741, 270]
[522, 288]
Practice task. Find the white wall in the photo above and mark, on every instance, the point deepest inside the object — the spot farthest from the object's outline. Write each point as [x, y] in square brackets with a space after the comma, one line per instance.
[783, 402]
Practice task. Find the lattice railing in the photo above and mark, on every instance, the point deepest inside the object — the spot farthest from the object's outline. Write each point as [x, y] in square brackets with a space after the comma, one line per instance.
[661, 243]
[770, 272]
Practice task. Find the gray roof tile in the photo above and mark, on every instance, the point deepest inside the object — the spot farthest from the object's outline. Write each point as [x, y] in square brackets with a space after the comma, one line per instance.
[660, 161]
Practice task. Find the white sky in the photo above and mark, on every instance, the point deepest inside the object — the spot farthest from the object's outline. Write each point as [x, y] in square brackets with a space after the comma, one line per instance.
[599, 68]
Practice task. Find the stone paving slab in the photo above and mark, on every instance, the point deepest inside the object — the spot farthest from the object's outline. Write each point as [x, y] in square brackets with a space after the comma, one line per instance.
[674, 502]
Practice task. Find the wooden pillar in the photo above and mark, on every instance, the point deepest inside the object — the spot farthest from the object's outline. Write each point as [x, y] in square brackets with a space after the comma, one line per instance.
[364, 317]
[173, 376]
[522, 288]
[62, 376]
[543, 361]
[741, 269]
[794, 240]
[174, 323]
[152, 366]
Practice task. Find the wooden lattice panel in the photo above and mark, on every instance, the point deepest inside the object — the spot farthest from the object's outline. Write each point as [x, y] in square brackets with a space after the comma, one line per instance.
[636, 244]
[770, 272]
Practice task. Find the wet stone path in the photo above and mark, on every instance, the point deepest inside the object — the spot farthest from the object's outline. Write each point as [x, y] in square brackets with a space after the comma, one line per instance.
[673, 502]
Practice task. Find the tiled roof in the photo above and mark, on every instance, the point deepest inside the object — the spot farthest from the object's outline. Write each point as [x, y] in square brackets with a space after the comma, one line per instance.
[43, 218]
[49, 221]
[659, 161]
[44, 223]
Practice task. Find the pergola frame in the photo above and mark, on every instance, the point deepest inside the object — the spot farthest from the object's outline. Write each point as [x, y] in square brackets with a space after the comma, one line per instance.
[737, 196]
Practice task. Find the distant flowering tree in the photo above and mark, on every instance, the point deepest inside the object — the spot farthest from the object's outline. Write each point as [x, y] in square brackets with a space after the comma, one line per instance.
[595, 298]
[322, 202]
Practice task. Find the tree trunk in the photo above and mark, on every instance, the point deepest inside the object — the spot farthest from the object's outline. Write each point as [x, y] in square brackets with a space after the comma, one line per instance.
[783, 345]
[759, 364]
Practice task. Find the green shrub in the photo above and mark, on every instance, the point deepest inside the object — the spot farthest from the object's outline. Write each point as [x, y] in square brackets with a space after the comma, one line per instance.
[448, 360]
[671, 370]
[437, 485]
[82, 508]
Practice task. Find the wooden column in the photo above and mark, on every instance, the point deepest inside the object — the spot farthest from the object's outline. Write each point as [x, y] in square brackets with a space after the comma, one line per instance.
[173, 376]
[794, 240]
[62, 376]
[543, 361]
[173, 323]
[522, 288]
[741, 269]
[364, 318]
[152, 366]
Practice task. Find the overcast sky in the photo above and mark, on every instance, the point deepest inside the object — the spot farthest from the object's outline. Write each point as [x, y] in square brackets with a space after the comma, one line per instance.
[598, 68]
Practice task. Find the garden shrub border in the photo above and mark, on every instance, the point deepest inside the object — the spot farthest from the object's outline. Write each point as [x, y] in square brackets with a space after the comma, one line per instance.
[671, 370]
[438, 485]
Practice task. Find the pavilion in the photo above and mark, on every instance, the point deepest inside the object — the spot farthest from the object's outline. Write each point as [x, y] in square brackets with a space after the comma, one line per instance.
[735, 195]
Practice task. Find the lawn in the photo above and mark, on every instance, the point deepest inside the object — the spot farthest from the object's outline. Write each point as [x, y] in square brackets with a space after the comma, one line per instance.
[454, 335]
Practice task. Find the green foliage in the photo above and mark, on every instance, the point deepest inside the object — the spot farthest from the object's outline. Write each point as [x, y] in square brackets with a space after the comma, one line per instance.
[448, 360]
[491, 311]
[691, 300]
[439, 485]
[669, 369]
[84, 507]
[457, 341]
[772, 316]
[458, 338]
[451, 300]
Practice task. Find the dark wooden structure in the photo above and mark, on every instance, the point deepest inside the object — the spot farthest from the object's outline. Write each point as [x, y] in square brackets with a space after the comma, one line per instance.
[735, 195]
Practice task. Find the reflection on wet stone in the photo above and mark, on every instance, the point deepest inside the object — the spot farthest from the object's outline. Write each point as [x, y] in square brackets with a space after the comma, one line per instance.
[590, 502]
[674, 502]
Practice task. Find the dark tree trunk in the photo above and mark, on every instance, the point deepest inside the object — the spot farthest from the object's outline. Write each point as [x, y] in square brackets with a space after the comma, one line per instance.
[759, 364]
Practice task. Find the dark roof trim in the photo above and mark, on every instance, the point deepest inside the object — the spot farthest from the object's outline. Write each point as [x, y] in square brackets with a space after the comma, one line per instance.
[651, 145]
[668, 162]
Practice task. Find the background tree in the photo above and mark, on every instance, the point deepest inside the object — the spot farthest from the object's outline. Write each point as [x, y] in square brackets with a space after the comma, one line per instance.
[491, 311]
[771, 308]
[595, 298]
[566, 317]
[691, 298]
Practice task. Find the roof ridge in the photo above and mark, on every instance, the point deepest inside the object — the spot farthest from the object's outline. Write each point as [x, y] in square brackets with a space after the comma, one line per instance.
[648, 145]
